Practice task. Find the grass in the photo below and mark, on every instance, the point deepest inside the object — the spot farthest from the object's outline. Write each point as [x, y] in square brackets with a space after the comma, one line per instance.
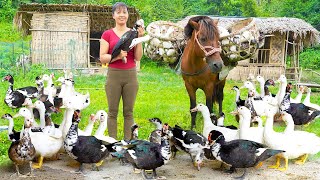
[161, 94]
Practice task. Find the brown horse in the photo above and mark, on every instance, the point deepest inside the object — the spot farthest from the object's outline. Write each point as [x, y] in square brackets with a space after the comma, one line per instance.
[201, 62]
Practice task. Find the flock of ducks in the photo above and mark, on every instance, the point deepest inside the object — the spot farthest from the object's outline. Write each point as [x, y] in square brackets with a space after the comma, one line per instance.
[243, 147]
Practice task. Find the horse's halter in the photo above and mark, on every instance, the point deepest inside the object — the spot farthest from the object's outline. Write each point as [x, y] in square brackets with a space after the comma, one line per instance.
[203, 48]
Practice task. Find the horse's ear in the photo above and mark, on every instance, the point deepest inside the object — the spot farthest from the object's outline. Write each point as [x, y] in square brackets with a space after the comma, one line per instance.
[194, 25]
[215, 21]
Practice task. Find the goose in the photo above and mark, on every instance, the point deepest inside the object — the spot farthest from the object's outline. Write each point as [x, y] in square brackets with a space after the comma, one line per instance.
[294, 145]
[14, 99]
[230, 134]
[12, 134]
[300, 113]
[190, 142]
[146, 155]
[102, 116]
[246, 132]
[46, 145]
[307, 102]
[239, 153]
[85, 149]
[298, 98]
[23, 151]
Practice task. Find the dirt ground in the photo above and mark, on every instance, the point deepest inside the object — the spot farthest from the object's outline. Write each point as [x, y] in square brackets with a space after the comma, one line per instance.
[179, 168]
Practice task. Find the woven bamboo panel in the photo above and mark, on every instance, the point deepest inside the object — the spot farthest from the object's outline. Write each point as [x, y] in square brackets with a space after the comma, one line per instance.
[276, 52]
[60, 40]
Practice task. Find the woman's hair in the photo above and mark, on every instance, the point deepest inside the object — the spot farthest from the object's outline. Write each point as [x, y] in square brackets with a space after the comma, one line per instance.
[118, 5]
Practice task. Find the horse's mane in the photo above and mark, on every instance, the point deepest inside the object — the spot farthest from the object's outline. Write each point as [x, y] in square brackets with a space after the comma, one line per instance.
[203, 21]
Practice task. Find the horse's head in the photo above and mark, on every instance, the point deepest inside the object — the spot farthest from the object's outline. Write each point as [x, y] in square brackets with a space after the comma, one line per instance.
[204, 33]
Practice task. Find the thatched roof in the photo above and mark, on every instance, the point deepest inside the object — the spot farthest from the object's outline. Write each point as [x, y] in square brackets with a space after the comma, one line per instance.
[298, 27]
[100, 15]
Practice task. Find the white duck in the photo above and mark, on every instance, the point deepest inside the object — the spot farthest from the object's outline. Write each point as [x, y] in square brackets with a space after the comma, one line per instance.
[48, 78]
[249, 85]
[88, 129]
[45, 145]
[282, 90]
[103, 118]
[247, 132]
[261, 81]
[295, 145]
[307, 102]
[208, 126]
[297, 99]
[29, 105]
[71, 104]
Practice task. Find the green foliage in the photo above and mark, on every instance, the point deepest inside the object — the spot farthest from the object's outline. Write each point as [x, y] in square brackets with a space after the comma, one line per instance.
[6, 10]
[310, 58]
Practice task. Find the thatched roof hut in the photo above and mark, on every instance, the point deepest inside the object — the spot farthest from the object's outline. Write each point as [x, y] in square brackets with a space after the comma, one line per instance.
[280, 53]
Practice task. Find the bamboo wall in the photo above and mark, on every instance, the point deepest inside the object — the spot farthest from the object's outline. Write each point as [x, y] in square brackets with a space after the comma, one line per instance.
[60, 40]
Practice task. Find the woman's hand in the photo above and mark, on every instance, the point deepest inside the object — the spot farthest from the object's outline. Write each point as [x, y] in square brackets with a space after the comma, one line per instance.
[122, 55]
[140, 31]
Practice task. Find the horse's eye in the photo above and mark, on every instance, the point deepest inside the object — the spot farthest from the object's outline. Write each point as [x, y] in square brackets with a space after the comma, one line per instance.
[202, 39]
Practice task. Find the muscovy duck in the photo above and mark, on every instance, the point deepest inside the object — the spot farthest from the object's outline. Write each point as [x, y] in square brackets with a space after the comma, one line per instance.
[146, 155]
[190, 142]
[300, 113]
[85, 149]
[12, 134]
[155, 135]
[22, 151]
[14, 99]
[125, 40]
[239, 101]
[239, 153]
[269, 82]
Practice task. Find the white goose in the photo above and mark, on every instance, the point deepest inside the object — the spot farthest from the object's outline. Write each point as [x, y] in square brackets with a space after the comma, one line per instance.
[282, 90]
[229, 134]
[45, 145]
[103, 118]
[307, 102]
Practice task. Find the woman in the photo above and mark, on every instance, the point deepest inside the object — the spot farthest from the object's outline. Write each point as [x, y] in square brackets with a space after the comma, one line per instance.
[122, 77]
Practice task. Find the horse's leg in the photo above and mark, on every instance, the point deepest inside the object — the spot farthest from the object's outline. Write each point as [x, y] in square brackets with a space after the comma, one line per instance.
[219, 94]
[208, 91]
[192, 96]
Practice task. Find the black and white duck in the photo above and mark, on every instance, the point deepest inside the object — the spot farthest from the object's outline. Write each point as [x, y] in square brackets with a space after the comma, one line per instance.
[300, 113]
[22, 151]
[12, 134]
[239, 153]
[14, 99]
[267, 84]
[190, 142]
[146, 155]
[239, 101]
[155, 135]
[29, 91]
[85, 149]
